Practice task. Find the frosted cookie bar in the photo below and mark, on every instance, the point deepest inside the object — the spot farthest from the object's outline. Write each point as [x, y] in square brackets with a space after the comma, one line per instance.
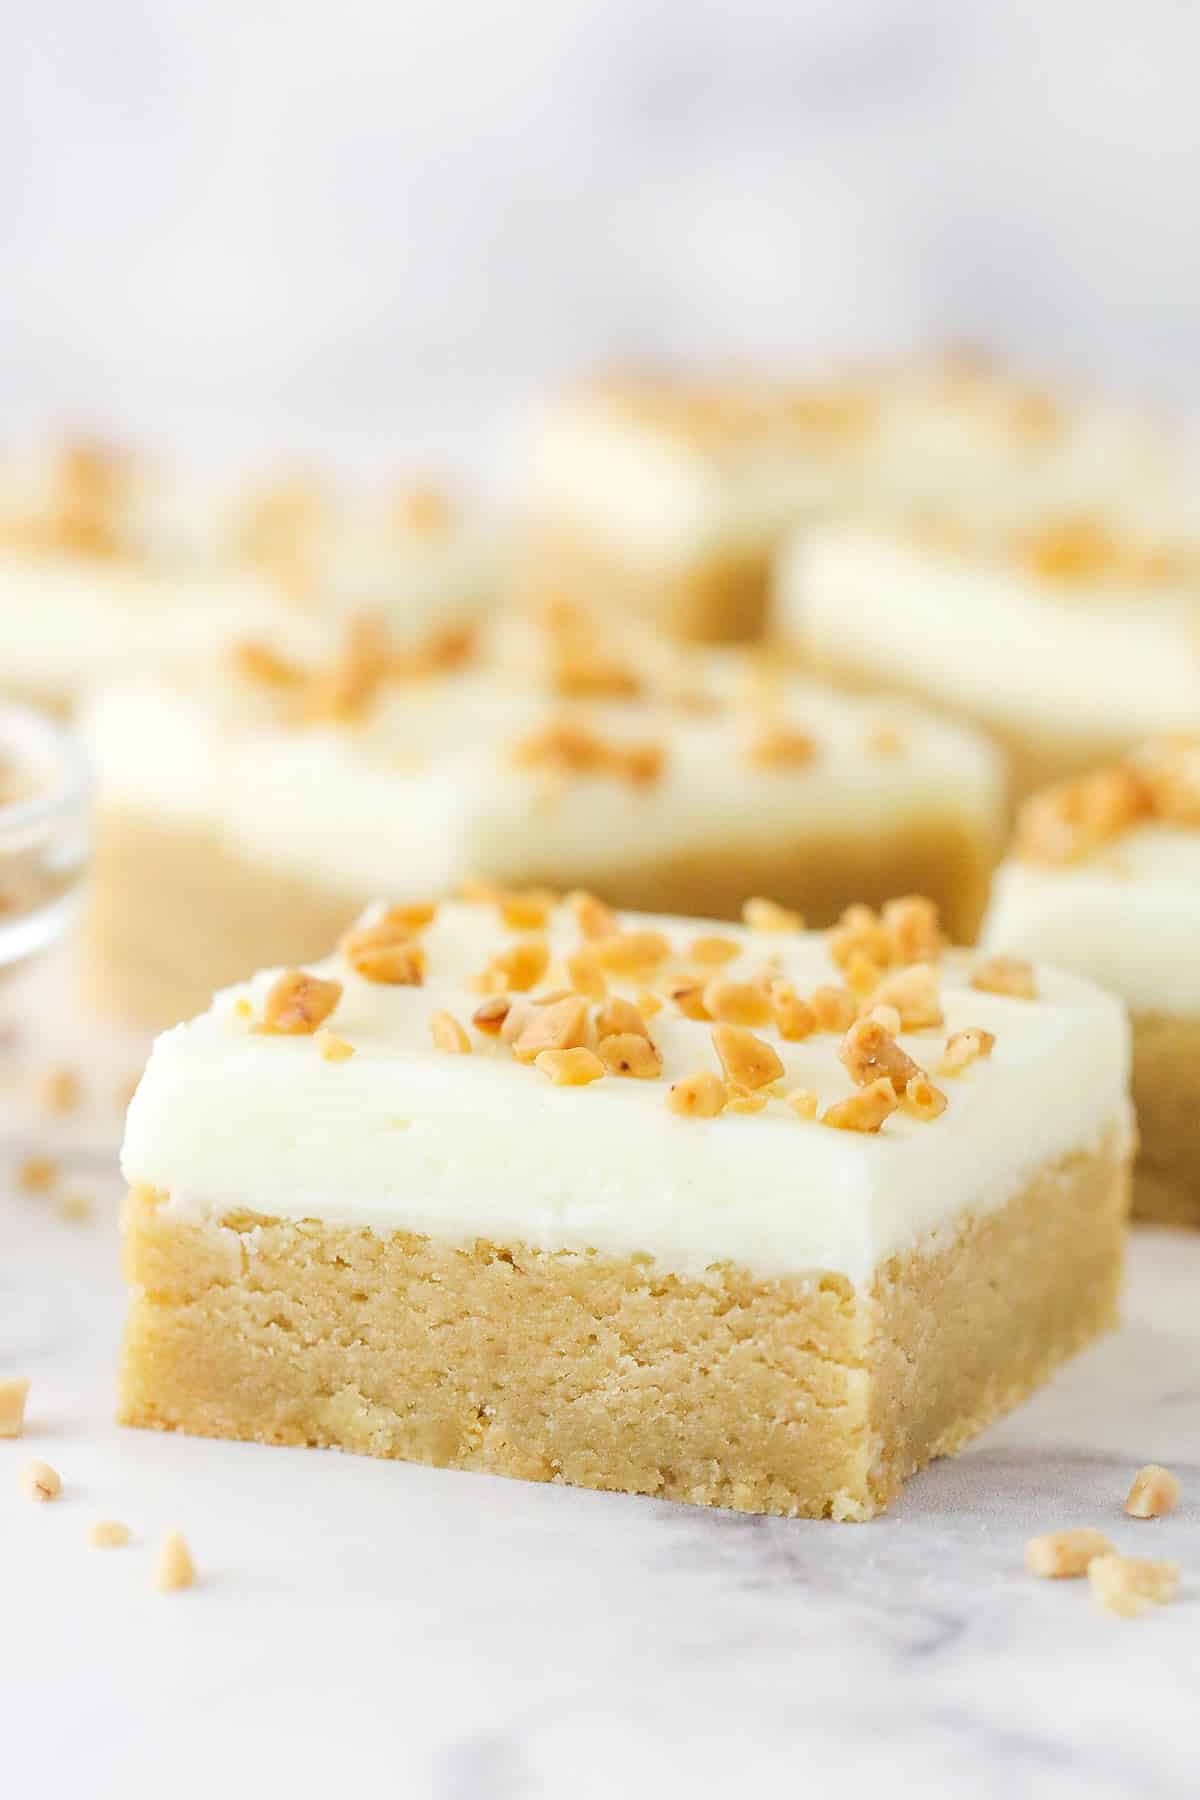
[252, 811]
[1068, 639]
[1104, 878]
[667, 494]
[110, 565]
[738, 1216]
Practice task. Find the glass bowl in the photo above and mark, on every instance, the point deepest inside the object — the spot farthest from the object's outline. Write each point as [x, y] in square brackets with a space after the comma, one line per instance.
[45, 830]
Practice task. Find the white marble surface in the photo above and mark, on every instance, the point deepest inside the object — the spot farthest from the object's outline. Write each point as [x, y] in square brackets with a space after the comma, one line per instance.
[375, 1628]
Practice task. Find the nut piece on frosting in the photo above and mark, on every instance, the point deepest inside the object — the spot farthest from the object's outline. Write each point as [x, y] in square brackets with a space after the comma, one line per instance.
[1008, 975]
[560, 1026]
[913, 992]
[448, 1034]
[864, 1111]
[767, 915]
[1155, 1491]
[297, 1003]
[966, 1047]
[868, 1051]
[748, 1061]
[570, 1068]
[629, 1053]
[699, 1096]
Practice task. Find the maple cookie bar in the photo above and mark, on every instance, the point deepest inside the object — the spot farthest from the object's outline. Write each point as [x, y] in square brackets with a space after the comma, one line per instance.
[251, 814]
[110, 565]
[1068, 639]
[734, 1215]
[1104, 878]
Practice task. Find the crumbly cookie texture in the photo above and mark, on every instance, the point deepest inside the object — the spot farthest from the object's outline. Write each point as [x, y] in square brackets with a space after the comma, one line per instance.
[586, 1142]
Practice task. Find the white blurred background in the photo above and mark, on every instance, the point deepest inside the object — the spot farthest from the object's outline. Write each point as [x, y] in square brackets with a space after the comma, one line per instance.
[374, 228]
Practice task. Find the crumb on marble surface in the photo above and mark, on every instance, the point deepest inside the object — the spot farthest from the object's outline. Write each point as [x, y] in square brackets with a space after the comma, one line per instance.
[1065, 1555]
[1128, 1585]
[1155, 1492]
[14, 1392]
[41, 1482]
[173, 1565]
[108, 1534]
[38, 1174]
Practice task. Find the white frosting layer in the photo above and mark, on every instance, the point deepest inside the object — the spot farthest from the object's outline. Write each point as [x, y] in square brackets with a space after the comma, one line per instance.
[403, 1137]
[1128, 918]
[425, 792]
[987, 637]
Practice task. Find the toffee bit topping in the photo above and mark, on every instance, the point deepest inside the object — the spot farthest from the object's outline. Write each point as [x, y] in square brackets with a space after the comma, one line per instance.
[1007, 975]
[913, 993]
[585, 974]
[518, 968]
[297, 1003]
[13, 1394]
[266, 668]
[1066, 823]
[594, 919]
[885, 740]
[38, 1174]
[490, 1016]
[108, 1534]
[519, 1013]
[768, 915]
[560, 1026]
[448, 1034]
[748, 1061]
[1170, 768]
[740, 1099]
[632, 952]
[794, 1018]
[699, 1096]
[570, 1068]
[60, 1090]
[859, 933]
[648, 1004]
[833, 1008]
[409, 919]
[525, 912]
[864, 1111]
[567, 747]
[913, 927]
[629, 1053]
[40, 1482]
[1129, 1585]
[1155, 1491]
[173, 1565]
[333, 1048]
[888, 1017]
[385, 952]
[712, 952]
[1065, 1555]
[966, 1047]
[737, 1002]
[868, 1052]
[618, 1016]
[803, 1102]
[346, 691]
[688, 996]
[922, 1100]
[424, 507]
[781, 747]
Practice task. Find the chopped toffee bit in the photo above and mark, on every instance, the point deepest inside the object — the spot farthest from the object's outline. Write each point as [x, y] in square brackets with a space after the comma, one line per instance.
[913, 992]
[864, 1111]
[424, 507]
[768, 915]
[333, 1048]
[912, 924]
[1066, 823]
[75, 1207]
[38, 1174]
[966, 1047]
[570, 1068]
[1155, 1491]
[699, 1096]
[567, 747]
[594, 919]
[108, 1534]
[525, 912]
[781, 747]
[560, 1026]
[263, 665]
[868, 1051]
[173, 1565]
[737, 1002]
[385, 952]
[617, 1016]
[297, 1003]
[740, 1099]
[1129, 1585]
[518, 968]
[584, 973]
[862, 976]
[629, 1053]
[712, 952]
[860, 933]
[407, 920]
[922, 1099]
[448, 1034]
[519, 1013]
[748, 1061]
[1170, 768]
[803, 1102]
[833, 1009]
[1007, 975]
[60, 1089]
[632, 952]
[888, 1017]
[490, 1016]
[688, 996]
[40, 1482]
[794, 1018]
[1064, 1555]
[13, 1394]
[648, 1004]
